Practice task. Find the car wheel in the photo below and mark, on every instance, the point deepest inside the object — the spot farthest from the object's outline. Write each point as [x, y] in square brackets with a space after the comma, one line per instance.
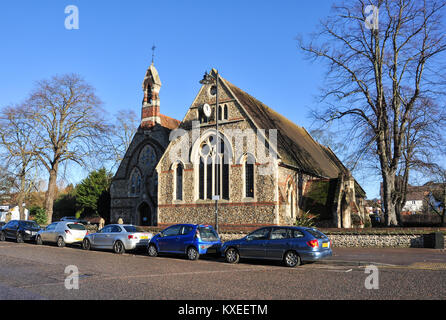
[19, 238]
[232, 255]
[60, 242]
[86, 245]
[151, 251]
[118, 247]
[192, 253]
[39, 240]
[292, 259]
[2, 236]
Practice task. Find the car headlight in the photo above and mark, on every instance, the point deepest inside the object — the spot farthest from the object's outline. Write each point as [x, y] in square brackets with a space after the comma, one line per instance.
[27, 231]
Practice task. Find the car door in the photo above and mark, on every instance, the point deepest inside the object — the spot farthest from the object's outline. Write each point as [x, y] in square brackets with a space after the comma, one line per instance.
[183, 238]
[167, 242]
[48, 233]
[100, 238]
[111, 236]
[11, 229]
[254, 244]
[279, 242]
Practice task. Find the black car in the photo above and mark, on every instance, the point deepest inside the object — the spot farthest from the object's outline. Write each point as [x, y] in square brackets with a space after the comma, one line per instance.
[19, 230]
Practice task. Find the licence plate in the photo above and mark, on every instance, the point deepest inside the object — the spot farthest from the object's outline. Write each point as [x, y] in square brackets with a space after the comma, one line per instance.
[144, 237]
[325, 245]
[79, 239]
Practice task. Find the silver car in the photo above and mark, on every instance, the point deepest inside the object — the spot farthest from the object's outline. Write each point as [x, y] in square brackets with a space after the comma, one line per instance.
[118, 237]
[61, 233]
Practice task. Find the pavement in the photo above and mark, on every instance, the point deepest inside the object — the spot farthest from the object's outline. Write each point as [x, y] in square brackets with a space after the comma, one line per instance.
[418, 258]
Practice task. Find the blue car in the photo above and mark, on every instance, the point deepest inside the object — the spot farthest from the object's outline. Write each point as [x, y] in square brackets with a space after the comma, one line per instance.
[190, 239]
[292, 245]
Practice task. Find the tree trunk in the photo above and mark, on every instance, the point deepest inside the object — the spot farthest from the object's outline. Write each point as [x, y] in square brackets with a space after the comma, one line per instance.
[20, 200]
[389, 205]
[51, 193]
[21, 195]
[443, 216]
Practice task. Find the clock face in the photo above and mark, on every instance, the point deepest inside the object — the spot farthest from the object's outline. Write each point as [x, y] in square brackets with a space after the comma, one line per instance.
[207, 110]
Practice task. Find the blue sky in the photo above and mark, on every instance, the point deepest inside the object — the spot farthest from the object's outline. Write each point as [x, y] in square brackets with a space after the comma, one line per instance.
[251, 43]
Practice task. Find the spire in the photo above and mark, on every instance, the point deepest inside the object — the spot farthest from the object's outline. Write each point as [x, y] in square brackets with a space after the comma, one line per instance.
[150, 114]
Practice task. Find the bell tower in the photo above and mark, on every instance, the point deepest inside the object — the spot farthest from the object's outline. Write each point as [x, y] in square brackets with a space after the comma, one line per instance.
[150, 114]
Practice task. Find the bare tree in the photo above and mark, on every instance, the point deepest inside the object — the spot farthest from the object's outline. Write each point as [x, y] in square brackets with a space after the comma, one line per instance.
[69, 126]
[6, 185]
[17, 139]
[378, 74]
[121, 134]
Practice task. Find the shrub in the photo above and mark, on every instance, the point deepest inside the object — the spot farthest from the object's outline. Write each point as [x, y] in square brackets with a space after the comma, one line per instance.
[40, 216]
[305, 220]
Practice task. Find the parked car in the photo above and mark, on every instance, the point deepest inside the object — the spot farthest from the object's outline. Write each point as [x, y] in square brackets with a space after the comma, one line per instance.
[74, 219]
[190, 239]
[62, 233]
[292, 245]
[19, 230]
[118, 237]
[2, 223]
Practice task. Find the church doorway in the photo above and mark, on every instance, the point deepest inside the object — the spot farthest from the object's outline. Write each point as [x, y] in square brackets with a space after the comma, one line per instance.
[145, 215]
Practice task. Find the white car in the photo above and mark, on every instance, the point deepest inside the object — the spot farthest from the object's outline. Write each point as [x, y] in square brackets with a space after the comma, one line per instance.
[61, 233]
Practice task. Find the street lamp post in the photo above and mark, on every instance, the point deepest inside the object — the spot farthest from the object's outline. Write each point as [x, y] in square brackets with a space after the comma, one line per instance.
[209, 79]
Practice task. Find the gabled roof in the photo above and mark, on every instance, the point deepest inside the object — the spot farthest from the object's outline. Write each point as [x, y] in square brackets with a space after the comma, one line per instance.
[168, 122]
[295, 145]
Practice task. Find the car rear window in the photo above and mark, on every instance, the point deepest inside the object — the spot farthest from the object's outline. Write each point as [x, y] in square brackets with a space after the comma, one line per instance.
[133, 229]
[207, 234]
[317, 234]
[75, 226]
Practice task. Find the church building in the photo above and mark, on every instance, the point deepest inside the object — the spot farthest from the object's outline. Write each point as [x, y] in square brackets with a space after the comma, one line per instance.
[238, 155]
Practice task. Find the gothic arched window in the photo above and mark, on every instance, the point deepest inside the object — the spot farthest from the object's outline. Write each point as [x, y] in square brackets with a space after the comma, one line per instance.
[213, 176]
[148, 159]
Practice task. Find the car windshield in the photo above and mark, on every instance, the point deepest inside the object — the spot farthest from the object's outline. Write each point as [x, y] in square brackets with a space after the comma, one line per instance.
[30, 224]
[133, 229]
[316, 233]
[207, 234]
[75, 226]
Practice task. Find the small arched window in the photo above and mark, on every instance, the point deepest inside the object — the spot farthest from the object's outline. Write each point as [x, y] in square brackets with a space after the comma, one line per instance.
[179, 181]
[225, 115]
[135, 183]
[220, 112]
[291, 195]
[249, 176]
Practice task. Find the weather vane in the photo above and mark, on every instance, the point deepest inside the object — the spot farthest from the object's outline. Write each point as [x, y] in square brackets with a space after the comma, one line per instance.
[153, 53]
